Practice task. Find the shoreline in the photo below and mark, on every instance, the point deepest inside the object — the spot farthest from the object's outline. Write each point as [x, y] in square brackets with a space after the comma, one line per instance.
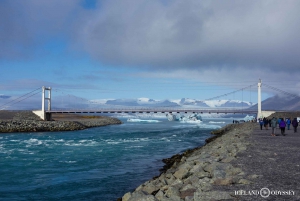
[169, 162]
[240, 162]
[193, 174]
[26, 121]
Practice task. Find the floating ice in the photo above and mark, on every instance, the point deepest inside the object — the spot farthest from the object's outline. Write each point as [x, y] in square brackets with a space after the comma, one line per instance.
[217, 122]
[191, 121]
[193, 118]
[249, 118]
[209, 126]
[143, 120]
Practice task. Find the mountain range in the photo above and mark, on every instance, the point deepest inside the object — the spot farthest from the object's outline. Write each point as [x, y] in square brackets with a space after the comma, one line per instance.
[184, 102]
[273, 103]
[279, 103]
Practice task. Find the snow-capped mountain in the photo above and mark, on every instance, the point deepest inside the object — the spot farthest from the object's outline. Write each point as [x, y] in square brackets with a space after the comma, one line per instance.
[280, 102]
[184, 102]
[144, 102]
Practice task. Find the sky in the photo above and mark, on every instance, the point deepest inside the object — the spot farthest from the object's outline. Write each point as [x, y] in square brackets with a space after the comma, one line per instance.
[160, 49]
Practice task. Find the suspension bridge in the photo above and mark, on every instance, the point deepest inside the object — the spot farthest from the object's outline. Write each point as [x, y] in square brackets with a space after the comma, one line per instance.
[46, 112]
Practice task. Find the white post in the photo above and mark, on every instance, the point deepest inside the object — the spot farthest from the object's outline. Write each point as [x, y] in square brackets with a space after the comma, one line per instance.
[43, 99]
[259, 114]
[42, 113]
[49, 99]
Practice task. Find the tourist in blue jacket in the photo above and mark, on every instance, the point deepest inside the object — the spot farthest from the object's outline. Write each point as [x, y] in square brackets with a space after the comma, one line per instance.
[261, 123]
[279, 120]
[282, 126]
[288, 122]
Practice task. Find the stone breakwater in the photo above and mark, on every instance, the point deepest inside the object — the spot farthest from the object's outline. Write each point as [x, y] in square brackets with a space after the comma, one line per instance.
[202, 173]
[29, 122]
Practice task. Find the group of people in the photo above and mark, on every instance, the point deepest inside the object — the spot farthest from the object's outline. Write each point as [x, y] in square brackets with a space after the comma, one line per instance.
[281, 122]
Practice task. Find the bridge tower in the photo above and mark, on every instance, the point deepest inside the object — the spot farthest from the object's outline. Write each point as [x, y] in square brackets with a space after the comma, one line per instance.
[259, 113]
[42, 113]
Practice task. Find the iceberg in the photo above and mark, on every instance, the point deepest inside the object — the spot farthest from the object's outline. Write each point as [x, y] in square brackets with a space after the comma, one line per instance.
[143, 120]
[248, 118]
[193, 118]
[217, 122]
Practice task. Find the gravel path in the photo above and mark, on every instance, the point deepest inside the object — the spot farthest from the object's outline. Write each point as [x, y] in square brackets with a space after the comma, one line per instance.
[276, 160]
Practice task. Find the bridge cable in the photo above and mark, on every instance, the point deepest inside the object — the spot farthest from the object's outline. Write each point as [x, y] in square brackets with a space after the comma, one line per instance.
[21, 100]
[250, 96]
[231, 92]
[242, 99]
[68, 97]
[284, 92]
[17, 99]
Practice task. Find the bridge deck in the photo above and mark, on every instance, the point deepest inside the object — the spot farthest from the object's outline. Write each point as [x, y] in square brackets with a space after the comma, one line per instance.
[225, 111]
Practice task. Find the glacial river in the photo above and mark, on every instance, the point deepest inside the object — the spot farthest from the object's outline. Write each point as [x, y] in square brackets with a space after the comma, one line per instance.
[94, 164]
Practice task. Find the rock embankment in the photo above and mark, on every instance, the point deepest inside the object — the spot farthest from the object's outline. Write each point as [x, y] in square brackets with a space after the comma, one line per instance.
[197, 174]
[26, 121]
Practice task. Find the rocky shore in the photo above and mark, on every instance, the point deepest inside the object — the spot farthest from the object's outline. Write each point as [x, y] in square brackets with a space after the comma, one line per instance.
[240, 162]
[197, 174]
[26, 121]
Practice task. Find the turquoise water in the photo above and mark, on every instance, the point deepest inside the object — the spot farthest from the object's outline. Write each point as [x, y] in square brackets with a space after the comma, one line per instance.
[94, 164]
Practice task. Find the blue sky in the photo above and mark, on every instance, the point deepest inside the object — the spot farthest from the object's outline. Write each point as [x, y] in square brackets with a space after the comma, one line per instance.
[158, 49]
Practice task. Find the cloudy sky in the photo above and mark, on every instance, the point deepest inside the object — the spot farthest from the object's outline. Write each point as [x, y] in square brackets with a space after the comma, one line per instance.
[159, 49]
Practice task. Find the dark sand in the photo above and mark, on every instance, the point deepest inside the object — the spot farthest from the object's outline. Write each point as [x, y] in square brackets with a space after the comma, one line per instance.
[10, 114]
[7, 115]
[74, 117]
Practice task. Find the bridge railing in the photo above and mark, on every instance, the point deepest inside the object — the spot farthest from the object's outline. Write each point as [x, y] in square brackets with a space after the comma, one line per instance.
[152, 110]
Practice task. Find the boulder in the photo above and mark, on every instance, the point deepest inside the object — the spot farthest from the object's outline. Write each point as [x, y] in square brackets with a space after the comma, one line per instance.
[149, 188]
[160, 195]
[224, 182]
[188, 190]
[126, 196]
[142, 196]
[244, 181]
[228, 159]
[172, 191]
[181, 173]
[202, 174]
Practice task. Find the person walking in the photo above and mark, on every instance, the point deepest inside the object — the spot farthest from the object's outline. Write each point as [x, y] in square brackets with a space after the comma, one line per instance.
[295, 124]
[261, 123]
[288, 123]
[273, 125]
[266, 123]
[279, 120]
[282, 126]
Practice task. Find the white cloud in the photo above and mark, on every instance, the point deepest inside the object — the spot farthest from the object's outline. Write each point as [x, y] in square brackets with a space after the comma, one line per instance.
[196, 35]
[202, 40]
